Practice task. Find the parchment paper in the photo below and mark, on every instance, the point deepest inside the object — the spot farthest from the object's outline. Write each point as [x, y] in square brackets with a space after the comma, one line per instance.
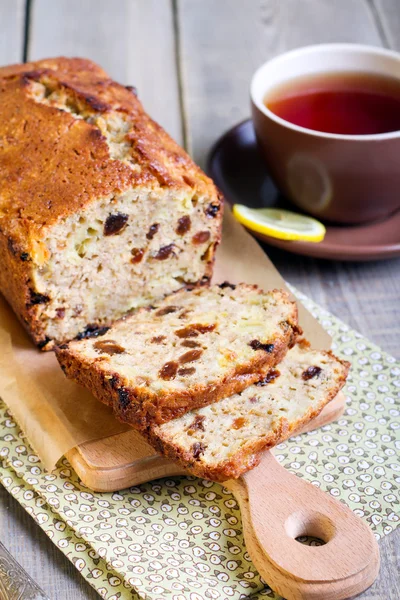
[56, 414]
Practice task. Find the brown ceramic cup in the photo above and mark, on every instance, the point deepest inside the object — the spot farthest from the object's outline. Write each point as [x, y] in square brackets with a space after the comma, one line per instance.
[341, 178]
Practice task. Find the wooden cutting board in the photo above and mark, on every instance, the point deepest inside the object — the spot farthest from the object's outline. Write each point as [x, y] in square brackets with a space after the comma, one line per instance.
[276, 507]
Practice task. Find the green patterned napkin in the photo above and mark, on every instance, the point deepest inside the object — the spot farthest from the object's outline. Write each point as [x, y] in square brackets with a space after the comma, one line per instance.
[181, 538]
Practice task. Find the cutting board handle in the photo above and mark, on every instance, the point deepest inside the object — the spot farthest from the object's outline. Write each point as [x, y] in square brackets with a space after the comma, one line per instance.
[277, 507]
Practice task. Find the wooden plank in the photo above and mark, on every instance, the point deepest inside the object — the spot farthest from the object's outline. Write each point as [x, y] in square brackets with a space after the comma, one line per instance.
[38, 555]
[132, 40]
[18, 531]
[388, 13]
[222, 43]
[12, 20]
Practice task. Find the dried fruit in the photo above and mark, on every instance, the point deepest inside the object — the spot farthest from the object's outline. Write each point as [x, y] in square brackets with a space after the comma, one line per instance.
[310, 373]
[164, 252]
[257, 345]
[169, 370]
[109, 347]
[115, 223]
[190, 356]
[91, 331]
[194, 330]
[198, 423]
[137, 255]
[201, 237]
[186, 371]
[123, 396]
[114, 382]
[197, 449]
[190, 344]
[183, 225]
[226, 284]
[212, 210]
[36, 298]
[152, 231]
[270, 376]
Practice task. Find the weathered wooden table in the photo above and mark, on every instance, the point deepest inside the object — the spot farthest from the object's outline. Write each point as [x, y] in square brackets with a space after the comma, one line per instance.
[191, 61]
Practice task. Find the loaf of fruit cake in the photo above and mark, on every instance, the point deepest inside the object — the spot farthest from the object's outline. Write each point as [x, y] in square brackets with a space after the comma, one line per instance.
[188, 350]
[225, 439]
[101, 211]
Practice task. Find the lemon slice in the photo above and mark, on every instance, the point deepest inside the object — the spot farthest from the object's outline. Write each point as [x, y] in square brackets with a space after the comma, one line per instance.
[279, 223]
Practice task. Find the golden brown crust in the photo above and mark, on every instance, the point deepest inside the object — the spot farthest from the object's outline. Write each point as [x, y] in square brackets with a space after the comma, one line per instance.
[16, 286]
[58, 181]
[53, 164]
[141, 409]
[250, 455]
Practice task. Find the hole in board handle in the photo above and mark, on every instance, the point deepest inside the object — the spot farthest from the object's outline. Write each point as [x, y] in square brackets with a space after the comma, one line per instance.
[310, 524]
[308, 540]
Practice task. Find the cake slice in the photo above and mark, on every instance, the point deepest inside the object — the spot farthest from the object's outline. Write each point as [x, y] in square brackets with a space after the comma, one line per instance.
[225, 439]
[186, 351]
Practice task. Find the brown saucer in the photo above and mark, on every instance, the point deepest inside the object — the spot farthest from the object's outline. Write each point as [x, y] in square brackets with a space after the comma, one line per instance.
[240, 172]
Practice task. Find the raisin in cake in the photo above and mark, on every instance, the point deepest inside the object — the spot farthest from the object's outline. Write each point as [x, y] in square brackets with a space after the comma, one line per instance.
[186, 351]
[100, 210]
[225, 439]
